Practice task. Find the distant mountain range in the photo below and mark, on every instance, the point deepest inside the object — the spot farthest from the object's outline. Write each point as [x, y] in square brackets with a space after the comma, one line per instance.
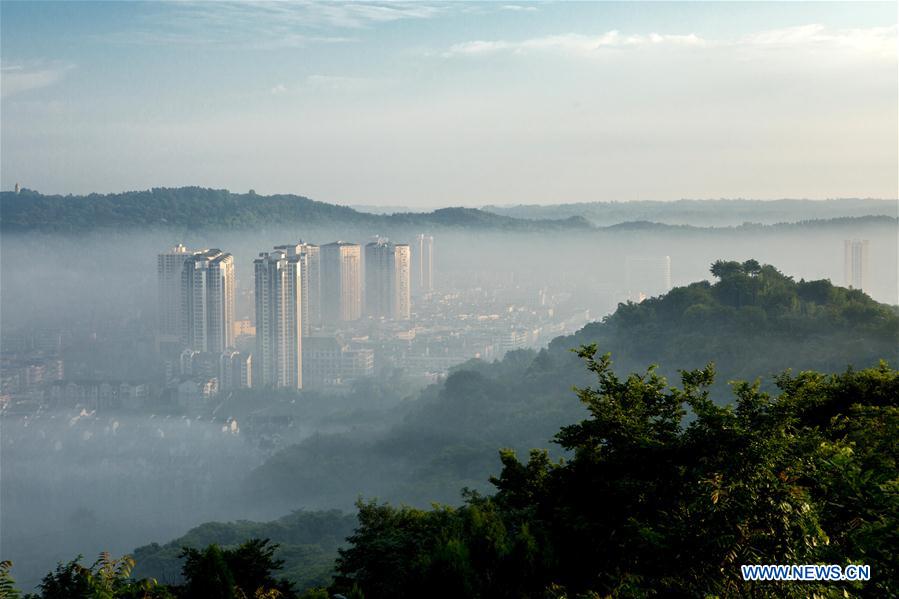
[196, 208]
[201, 208]
[707, 213]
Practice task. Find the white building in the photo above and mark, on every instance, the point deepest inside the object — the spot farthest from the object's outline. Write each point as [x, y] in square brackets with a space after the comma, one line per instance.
[341, 282]
[424, 264]
[278, 361]
[387, 280]
[310, 272]
[855, 263]
[169, 266]
[207, 301]
[647, 276]
[330, 363]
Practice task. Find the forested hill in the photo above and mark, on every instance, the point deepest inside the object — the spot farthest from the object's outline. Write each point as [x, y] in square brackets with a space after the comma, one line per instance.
[751, 322]
[195, 208]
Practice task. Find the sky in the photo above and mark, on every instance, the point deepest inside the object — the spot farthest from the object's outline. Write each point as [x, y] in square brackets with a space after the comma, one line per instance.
[426, 105]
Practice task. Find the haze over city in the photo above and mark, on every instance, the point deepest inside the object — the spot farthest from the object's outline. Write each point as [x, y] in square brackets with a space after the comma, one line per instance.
[388, 300]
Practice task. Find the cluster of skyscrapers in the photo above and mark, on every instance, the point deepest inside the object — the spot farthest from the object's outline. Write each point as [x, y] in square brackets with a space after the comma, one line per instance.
[299, 289]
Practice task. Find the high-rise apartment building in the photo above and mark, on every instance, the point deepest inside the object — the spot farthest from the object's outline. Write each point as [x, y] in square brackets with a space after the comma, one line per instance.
[278, 361]
[341, 282]
[235, 370]
[387, 280]
[424, 264]
[647, 276]
[207, 301]
[168, 271]
[310, 272]
[855, 263]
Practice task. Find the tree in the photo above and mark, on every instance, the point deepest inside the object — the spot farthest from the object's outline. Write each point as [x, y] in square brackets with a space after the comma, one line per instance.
[652, 502]
[244, 571]
[7, 584]
[106, 578]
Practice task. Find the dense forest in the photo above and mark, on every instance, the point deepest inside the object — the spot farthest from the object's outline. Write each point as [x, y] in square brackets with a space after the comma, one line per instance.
[665, 493]
[307, 543]
[193, 208]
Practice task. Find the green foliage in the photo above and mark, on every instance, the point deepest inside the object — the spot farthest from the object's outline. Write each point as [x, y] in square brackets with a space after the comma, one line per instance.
[753, 321]
[106, 578]
[7, 583]
[307, 544]
[242, 572]
[666, 493]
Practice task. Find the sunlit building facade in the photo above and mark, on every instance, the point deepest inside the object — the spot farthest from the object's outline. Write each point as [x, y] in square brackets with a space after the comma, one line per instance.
[207, 301]
[278, 361]
[387, 280]
[341, 282]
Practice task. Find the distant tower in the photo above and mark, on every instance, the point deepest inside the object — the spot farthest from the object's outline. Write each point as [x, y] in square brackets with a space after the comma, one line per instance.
[647, 277]
[207, 301]
[278, 361]
[341, 282]
[855, 263]
[387, 280]
[424, 264]
[17, 187]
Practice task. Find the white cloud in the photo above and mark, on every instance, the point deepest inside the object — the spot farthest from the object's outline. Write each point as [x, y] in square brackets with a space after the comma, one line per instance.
[875, 41]
[278, 89]
[264, 25]
[519, 7]
[575, 43]
[16, 79]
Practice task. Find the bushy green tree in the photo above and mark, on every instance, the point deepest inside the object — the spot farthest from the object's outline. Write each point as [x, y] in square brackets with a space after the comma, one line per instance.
[665, 493]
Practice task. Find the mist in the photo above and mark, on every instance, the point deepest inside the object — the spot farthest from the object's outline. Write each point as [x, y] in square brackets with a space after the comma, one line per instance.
[79, 480]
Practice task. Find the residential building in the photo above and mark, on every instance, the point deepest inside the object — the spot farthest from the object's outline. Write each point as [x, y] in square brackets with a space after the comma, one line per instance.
[341, 283]
[278, 361]
[169, 266]
[207, 301]
[310, 272]
[424, 264]
[387, 270]
[330, 363]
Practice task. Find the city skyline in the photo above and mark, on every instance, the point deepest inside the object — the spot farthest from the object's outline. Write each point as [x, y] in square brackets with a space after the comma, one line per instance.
[482, 103]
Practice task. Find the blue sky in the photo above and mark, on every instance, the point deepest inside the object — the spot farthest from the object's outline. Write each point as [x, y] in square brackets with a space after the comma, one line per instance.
[426, 105]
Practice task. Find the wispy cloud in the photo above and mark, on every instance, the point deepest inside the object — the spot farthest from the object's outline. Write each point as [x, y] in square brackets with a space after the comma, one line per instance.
[278, 89]
[265, 25]
[880, 41]
[875, 41]
[19, 78]
[519, 7]
[574, 43]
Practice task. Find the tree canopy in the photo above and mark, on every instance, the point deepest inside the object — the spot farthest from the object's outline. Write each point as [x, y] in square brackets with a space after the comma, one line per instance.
[652, 503]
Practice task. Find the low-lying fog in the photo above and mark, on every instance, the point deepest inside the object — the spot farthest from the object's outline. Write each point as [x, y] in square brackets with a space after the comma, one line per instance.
[80, 482]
